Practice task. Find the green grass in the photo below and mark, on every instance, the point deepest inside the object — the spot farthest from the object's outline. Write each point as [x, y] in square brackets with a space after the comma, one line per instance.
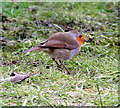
[95, 68]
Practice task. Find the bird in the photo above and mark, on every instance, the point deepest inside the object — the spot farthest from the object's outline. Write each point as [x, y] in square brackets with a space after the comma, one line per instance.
[61, 46]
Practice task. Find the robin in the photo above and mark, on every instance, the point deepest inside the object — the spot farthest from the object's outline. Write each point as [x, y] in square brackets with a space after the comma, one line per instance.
[61, 46]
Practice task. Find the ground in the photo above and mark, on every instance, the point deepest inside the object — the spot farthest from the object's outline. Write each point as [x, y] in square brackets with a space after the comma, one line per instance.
[95, 69]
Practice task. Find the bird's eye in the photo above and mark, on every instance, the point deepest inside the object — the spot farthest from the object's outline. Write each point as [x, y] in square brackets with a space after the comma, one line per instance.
[80, 36]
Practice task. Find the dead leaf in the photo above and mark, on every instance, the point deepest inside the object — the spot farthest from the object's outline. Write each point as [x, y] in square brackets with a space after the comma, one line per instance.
[17, 78]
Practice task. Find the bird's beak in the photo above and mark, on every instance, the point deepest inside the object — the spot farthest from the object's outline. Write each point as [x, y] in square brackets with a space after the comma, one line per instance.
[86, 40]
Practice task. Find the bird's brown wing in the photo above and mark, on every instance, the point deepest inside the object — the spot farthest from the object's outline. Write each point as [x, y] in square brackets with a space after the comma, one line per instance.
[62, 41]
[58, 45]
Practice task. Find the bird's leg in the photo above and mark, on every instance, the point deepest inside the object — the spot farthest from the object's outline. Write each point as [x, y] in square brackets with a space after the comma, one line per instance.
[56, 62]
[64, 67]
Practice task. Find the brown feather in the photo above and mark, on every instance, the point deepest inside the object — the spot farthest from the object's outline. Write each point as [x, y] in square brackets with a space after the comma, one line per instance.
[60, 40]
[32, 49]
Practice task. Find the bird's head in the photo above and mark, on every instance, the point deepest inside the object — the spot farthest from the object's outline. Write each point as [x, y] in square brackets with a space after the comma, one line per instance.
[78, 36]
[81, 38]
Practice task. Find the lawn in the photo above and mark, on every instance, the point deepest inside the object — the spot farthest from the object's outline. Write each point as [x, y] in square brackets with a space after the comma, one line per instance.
[95, 76]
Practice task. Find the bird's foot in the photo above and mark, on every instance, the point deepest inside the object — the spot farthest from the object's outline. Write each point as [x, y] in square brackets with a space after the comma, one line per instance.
[59, 66]
[71, 73]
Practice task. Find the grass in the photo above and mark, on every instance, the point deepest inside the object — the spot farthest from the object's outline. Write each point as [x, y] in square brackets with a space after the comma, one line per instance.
[96, 76]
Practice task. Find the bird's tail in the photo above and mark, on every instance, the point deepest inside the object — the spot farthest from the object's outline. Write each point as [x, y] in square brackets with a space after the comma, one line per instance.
[32, 49]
